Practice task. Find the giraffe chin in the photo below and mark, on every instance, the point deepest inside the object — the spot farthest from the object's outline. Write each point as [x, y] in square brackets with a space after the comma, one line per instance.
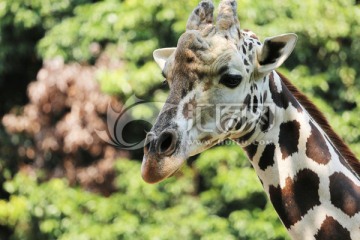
[154, 170]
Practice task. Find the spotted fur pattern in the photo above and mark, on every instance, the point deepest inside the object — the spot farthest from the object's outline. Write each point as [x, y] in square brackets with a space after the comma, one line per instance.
[311, 186]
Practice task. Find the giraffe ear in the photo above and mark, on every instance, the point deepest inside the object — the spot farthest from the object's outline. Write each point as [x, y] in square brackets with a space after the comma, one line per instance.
[275, 51]
[161, 55]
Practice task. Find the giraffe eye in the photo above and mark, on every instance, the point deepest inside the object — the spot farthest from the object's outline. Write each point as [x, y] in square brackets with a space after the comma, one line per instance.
[231, 81]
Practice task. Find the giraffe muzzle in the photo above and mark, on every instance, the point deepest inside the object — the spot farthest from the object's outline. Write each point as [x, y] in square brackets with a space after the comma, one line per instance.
[159, 161]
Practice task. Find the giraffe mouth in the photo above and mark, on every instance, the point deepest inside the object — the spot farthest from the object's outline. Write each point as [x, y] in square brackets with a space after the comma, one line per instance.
[154, 170]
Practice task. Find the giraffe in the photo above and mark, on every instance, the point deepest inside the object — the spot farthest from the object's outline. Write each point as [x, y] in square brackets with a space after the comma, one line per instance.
[224, 85]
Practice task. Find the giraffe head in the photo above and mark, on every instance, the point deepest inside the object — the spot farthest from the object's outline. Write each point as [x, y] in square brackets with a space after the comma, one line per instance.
[215, 75]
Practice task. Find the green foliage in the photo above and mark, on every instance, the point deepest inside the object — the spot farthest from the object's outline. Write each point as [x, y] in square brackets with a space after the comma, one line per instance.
[22, 25]
[133, 25]
[169, 210]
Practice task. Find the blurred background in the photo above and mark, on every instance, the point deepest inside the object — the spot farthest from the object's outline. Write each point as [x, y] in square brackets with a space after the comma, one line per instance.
[63, 61]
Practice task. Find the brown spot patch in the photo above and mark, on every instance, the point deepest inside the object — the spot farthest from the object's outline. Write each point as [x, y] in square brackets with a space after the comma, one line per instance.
[267, 157]
[267, 120]
[316, 148]
[332, 230]
[255, 104]
[207, 84]
[297, 197]
[345, 194]
[251, 150]
[278, 97]
[243, 49]
[285, 97]
[240, 123]
[189, 108]
[247, 101]
[246, 137]
[289, 138]
[250, 46]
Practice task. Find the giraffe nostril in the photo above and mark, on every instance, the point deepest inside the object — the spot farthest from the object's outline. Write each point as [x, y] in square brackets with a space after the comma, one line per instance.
[166, 143]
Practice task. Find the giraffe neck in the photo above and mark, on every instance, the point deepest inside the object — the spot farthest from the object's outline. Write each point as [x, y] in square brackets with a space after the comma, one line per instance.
[311, 186]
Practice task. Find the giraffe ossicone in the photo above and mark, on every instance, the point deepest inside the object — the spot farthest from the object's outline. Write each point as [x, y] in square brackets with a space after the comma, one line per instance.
[224, 85]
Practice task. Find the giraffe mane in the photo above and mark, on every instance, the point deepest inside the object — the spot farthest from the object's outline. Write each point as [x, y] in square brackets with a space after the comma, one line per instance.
[319, 117]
